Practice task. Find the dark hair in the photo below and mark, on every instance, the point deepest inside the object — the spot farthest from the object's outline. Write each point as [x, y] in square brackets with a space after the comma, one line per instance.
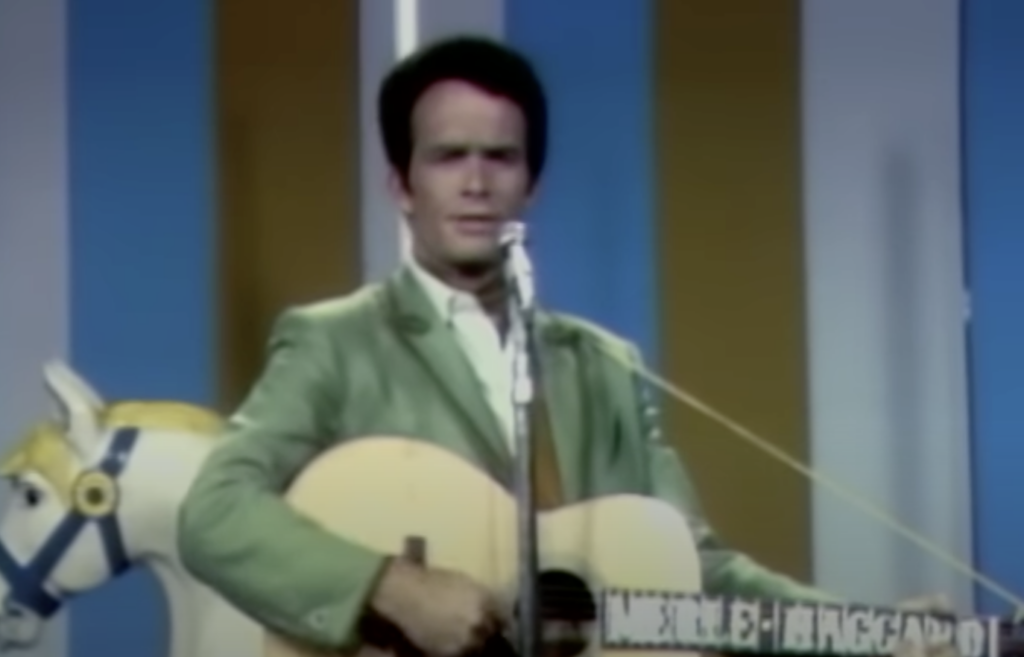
[480, 61]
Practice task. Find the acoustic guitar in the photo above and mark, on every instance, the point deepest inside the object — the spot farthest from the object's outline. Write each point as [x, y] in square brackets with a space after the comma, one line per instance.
[620, 575]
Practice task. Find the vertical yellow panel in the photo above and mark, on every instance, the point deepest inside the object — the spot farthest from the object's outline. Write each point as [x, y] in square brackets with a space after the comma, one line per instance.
[287, 121]
[731, 263]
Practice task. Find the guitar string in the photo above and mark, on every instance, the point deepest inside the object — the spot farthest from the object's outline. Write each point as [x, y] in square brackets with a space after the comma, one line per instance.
[849, 495]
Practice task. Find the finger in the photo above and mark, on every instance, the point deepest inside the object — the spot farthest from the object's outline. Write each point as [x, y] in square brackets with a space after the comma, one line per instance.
[909, 649]
[496, 623]
[498, 613]
[478, 638]
[484, 627]
[940, 602]
[936, 603]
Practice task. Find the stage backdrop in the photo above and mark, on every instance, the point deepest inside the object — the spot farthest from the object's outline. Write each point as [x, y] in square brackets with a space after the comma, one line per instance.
[788, 208]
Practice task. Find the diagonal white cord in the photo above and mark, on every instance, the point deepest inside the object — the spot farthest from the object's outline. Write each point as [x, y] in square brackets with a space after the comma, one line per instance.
[848, 495]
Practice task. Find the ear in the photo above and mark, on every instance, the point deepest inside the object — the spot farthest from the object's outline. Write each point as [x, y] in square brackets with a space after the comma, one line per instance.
[531, 195]
[85, 390]
[77, 406]
[399, 192]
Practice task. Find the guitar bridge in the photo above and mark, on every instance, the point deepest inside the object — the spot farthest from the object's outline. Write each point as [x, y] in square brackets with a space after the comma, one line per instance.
[416, 550]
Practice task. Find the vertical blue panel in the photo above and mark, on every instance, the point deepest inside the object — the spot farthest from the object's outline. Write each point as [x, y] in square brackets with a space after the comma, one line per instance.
[142, 279]
[592, 226]
[994, 170]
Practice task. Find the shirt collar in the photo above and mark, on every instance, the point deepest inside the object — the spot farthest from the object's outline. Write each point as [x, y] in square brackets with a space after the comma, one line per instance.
[445, 299]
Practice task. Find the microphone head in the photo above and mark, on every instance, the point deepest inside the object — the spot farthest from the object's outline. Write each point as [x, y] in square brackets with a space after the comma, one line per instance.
[512, 232]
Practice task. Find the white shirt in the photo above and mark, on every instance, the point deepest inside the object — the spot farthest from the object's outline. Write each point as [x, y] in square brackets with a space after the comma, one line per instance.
[480, 340]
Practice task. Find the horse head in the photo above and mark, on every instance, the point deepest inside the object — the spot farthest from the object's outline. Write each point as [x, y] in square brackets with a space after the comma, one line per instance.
[85, 502]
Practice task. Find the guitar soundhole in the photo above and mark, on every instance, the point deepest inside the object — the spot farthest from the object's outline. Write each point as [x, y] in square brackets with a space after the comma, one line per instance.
[568, 611]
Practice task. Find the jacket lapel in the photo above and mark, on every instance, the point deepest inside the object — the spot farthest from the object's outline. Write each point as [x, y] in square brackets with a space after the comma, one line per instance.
[435, 345]
[562, 383]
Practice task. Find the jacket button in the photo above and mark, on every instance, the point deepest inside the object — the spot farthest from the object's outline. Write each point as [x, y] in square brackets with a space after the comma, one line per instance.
[318, 619]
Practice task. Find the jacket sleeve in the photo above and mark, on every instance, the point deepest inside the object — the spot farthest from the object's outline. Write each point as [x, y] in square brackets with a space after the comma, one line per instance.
[238, 535]
[725, 570]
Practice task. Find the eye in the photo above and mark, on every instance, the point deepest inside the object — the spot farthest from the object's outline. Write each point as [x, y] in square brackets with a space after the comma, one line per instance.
[31, 496]
[504, 155]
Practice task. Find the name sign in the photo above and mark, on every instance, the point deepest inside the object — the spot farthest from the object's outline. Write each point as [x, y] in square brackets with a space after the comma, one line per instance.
[694, 622]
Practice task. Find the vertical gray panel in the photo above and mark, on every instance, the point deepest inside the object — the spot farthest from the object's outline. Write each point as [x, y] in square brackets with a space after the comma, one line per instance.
[440, 18]
[382, 227]
[380, 234]
[885, 292]
[33, 220]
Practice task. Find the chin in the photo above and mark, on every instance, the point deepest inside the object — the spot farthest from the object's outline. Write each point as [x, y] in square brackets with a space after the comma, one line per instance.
[476, 261]
[489, 254]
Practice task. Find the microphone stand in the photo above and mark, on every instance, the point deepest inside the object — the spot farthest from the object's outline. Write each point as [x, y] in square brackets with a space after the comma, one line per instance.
[519, 274]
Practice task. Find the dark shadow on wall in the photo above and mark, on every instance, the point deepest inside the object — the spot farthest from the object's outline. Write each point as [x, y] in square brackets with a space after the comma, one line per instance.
[904, 348]
[288, 151]
[730, 248]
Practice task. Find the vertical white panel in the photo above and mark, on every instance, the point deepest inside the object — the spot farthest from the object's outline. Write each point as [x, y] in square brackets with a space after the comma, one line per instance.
[385, 35]
[33, 221]
[884, 276]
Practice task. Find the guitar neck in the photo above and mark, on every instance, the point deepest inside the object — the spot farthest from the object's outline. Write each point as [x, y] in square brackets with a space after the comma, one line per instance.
[632, 620]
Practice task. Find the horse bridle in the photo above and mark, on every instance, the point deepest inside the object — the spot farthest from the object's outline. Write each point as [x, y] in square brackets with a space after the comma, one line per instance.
[95, 495]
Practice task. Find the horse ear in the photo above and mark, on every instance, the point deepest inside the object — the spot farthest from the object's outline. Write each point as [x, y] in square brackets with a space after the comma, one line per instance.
[85, 390]
[77, 406]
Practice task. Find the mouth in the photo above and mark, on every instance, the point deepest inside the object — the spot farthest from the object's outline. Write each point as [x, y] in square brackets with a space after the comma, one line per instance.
[19, 629]
[478, 225]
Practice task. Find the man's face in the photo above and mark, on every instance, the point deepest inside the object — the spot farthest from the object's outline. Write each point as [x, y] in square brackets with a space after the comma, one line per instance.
[467, 174]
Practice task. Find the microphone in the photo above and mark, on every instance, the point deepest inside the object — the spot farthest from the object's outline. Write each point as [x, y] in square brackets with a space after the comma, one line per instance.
[519, 274]
[518, 268]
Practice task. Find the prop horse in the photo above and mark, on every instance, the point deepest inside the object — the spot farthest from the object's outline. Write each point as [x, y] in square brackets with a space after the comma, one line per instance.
[95, 492]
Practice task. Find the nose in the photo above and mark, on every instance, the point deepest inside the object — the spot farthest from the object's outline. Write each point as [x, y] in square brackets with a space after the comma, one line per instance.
[475, 183]
[15, 612]
[19, 628]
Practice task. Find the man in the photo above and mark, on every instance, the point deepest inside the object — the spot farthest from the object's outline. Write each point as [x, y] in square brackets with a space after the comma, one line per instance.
[464, 125]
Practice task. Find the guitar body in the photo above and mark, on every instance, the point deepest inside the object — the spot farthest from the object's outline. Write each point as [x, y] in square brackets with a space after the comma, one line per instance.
[392, 493]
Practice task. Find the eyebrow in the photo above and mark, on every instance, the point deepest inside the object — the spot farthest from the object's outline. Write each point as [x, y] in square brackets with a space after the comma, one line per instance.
[467, 147]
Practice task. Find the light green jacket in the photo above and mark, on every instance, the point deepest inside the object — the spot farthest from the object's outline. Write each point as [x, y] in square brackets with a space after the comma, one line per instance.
[381, 361]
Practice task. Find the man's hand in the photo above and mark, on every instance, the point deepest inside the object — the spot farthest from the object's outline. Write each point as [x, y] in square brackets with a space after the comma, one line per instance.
[938, 604]
[443, 613]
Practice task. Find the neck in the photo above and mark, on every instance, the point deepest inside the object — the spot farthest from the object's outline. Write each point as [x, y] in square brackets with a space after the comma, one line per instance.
[485, 281]
[187, 603]
[202, 623]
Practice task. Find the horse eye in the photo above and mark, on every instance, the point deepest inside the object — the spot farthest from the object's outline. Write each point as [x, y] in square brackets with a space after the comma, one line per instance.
[32, 496]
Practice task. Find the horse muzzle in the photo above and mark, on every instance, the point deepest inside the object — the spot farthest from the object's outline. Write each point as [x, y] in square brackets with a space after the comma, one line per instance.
[20, 627]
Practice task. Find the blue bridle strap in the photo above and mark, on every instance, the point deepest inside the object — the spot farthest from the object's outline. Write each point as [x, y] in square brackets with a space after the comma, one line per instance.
[28, 582]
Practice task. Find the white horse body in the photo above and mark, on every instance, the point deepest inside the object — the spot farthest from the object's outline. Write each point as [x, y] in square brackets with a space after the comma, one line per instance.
[202, 623]
[124, 478]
